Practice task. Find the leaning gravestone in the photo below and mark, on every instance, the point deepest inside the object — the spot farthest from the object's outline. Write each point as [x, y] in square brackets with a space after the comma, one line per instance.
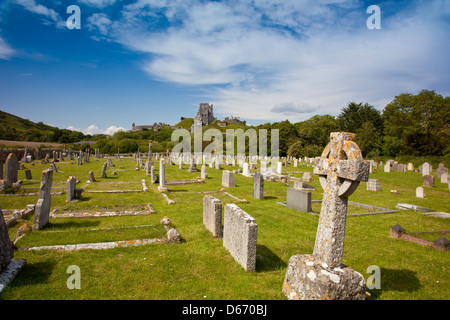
[103, 174]
[322, 275]
[92, 177]
[42, 209]
[28, 174]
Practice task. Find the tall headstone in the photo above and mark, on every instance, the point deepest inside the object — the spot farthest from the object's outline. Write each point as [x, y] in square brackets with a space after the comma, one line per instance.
[258, 186]
[279, 167]
[71, 186]
[42, 209]
[152, 175]
[212, 215]
[228, 179]
[204, 174]
[322, 275]
[103, 174]
[11, 168]
[162, 176]
[192, 165]
[246, 170]
[240, 235]
[387, 167]
[426, 169]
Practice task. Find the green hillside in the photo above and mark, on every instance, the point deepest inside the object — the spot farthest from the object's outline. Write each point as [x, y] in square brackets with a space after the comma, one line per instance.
[15, 128]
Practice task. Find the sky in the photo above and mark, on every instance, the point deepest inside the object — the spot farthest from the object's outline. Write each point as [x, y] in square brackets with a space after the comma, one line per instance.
[147, 61]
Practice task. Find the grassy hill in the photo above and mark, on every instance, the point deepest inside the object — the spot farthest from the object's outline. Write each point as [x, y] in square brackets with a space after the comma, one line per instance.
[15, 128]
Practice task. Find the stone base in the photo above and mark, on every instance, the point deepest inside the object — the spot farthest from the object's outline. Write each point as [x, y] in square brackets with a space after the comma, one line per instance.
[307, 279]
[10, 272]
[162, 189]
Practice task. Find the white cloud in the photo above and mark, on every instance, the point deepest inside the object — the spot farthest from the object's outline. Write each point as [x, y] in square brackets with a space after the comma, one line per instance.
[98, 3]
[274, 59]
[5, 50]
[42, 10]
[94, 129]
[99, 21]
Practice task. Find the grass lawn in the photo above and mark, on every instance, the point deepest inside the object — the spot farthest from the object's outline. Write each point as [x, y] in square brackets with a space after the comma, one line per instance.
[200, 267]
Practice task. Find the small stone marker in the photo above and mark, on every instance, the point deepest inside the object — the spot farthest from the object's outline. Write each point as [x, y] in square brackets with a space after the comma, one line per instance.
[442, 244]
[228, 179]
[28, 174]
[420, 193]
[42, 209]
[428, 180]
[212, 215]
[239, 236]
[299, 200]
[258, 186]
[322, 275]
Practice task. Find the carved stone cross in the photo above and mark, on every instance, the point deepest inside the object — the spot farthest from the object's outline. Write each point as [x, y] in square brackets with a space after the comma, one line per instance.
[340, 168]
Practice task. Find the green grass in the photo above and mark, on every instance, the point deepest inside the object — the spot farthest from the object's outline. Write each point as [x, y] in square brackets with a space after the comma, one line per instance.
[200, 267]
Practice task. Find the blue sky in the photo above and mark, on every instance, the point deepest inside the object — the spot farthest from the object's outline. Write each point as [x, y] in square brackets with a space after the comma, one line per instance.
[147, 61]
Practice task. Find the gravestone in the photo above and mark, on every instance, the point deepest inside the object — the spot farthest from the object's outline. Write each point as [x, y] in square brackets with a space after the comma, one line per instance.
[162, 176]
[212, 215]
[307, 177]
[192, 165]
[322, 275]
[387, 167]
[444, 177]
[279, 167]
[109, 162]
[28, 174]
[440, 170]
[428, 180]
[11, 168]
[204, 174]
[103, 174]
[410, 167]
[246, 170]
[258, 186]
[263, 166]
[152, 174]
[71, 186]
[303, 186]
[228, 179]
[53, 167]
[42, 209]
[420, 193]
[6, 247]
[91, 176]
[299, 200]
[426, 169]
[373, 185]
[240, 235]
[295, 163]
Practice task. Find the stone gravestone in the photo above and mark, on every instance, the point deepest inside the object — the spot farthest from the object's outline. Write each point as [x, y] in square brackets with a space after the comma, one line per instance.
[322, 275]
[426, 169]
[6, 248]
[307, 177]
[373, 185]
[53, 167]
[42, 209]
[444, 177]
[91, 176]
[11, 168]
[71, 186]
[212, 215]
[103, 174]
[258, 186]
[239, 236]
[204, 174]
[162, 176]
[299, 200]
[192, 165]
[387, 167]
[420, 192]
[428, 180]
[28, 174]
[228, 179]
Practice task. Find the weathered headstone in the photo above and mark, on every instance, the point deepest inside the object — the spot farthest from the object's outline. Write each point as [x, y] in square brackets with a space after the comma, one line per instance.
[42, 209]
[426, 169]
[192, 165]
[387, 167]
[6, 248]
[246, 170]
[109, 162]
[212, 215]
[228, 179]
[440, 170]
[11, 168]
[428, 180]
[420, 192]
[303, 186]
[373, 185]
[53, 167]
[410, 167]
[258, 186]
[307, 177]
[299, 200]
[71, 186]
[279, 167]
[240, 235]
[322, 275]
[204, 174]
[444, 177]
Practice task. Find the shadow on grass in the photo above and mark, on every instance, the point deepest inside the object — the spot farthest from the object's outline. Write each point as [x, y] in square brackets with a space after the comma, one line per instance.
[396, 280]
[80, 223]
[34, 273]
[266, 260]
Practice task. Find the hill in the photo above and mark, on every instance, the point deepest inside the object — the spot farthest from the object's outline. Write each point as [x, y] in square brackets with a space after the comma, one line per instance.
[15, 128]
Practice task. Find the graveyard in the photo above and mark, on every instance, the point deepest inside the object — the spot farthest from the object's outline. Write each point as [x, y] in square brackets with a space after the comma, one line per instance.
[134, 237]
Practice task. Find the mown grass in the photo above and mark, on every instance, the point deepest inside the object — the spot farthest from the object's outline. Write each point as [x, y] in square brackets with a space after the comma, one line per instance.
[200, 268]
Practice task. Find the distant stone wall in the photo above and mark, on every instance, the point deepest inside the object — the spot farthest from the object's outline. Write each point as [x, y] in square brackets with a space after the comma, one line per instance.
[19, 153]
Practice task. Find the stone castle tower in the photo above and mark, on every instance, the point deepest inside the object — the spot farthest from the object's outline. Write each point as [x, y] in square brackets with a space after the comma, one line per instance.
[205, 114]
